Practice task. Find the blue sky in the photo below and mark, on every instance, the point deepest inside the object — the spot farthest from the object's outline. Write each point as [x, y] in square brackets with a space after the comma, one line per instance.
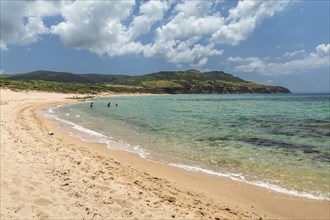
[282, 43]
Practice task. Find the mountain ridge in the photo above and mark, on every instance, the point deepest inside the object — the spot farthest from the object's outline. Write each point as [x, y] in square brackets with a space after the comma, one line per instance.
[177, 82]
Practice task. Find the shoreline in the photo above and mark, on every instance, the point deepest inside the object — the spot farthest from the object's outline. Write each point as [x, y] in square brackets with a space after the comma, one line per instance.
[74, 129]
[87, 133]
[117, 175]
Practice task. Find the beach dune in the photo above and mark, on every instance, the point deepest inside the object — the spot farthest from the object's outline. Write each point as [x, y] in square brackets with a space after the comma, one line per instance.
[48, 174]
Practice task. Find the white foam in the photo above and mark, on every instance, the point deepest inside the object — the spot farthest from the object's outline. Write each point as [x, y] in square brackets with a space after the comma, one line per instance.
[119, 145]
[51, 110]
[232, 176]
[94, 136]
[240, 177]
[290, 192]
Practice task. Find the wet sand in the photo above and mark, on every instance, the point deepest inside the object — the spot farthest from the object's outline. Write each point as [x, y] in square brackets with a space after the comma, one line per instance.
[61, 177]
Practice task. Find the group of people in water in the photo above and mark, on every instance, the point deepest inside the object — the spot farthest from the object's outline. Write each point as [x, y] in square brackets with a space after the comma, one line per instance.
[109, 105]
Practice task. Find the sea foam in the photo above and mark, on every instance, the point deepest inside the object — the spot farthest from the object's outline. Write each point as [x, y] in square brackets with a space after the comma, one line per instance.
[241, 178]
[89, 135]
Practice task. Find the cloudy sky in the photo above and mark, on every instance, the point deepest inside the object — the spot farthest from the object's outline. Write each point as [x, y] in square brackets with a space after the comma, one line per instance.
[272, 42]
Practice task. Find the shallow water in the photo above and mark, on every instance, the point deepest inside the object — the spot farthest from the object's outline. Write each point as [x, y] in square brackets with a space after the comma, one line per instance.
[276, 141]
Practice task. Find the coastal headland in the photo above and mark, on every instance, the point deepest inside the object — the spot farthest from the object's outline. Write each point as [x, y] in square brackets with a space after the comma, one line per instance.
[170, 82]
[46, 173]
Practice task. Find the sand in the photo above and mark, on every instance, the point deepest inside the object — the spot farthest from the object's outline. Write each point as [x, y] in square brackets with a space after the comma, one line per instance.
[61, 177]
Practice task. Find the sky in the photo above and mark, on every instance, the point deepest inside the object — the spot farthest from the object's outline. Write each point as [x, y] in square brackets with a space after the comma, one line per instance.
[284, 43]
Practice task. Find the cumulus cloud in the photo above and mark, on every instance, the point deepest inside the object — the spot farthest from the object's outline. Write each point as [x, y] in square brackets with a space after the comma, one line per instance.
[150, 13]
[322, 50]
[184, 32]
[178, 40]
[22, 21]
[244, 18]
[100, 29]
[320, 58]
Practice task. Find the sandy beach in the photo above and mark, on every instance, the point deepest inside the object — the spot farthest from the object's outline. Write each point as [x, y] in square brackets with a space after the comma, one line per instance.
[58, 176]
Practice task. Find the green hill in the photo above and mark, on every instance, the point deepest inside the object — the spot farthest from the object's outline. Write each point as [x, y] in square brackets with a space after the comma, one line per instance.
[194, 81]
[65, 77]
[52, 76]
[175, 82]
[101, 78]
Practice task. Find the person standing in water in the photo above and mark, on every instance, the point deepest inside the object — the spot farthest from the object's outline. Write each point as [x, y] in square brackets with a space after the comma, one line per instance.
[91, 105]
[109, 105]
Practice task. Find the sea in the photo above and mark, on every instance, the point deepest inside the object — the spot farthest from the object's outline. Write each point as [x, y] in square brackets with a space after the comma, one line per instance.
[277, 141]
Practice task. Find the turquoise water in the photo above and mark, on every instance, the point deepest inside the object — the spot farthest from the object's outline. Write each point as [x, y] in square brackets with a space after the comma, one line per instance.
[276, 141]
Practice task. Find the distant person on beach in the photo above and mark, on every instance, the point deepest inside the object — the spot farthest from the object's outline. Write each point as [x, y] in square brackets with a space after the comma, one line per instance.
[109, 105]
[91, 105]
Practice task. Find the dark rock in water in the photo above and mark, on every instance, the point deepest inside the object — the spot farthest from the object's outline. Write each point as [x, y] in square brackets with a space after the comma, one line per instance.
[310, 151]
[212, 139]
[267, 143]
[282, 132]
[279, 144]
[325, 158]
[321, 132]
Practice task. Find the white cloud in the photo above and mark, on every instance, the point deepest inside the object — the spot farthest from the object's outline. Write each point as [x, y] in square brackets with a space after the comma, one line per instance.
[185, 32]
[150, 13]
[244, 18]
[192, 21]
[100, 29]
[22, 21]
[183, 52]
[294, 53]
[3, 46]
[315, 60]
[178, 41]
[322, 50]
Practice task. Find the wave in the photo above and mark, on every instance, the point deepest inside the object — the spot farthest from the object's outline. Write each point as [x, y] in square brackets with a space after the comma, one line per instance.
[241, 178]
[89, 135]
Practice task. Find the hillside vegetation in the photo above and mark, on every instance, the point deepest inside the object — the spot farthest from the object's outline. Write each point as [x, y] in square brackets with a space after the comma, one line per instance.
[179, 82]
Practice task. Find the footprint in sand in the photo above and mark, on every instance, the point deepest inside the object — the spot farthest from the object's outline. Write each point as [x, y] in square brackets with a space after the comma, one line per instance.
[18, 208]
[122, 202]
[14, 193]
[42, 215]
[127, 213]
[42, 202]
